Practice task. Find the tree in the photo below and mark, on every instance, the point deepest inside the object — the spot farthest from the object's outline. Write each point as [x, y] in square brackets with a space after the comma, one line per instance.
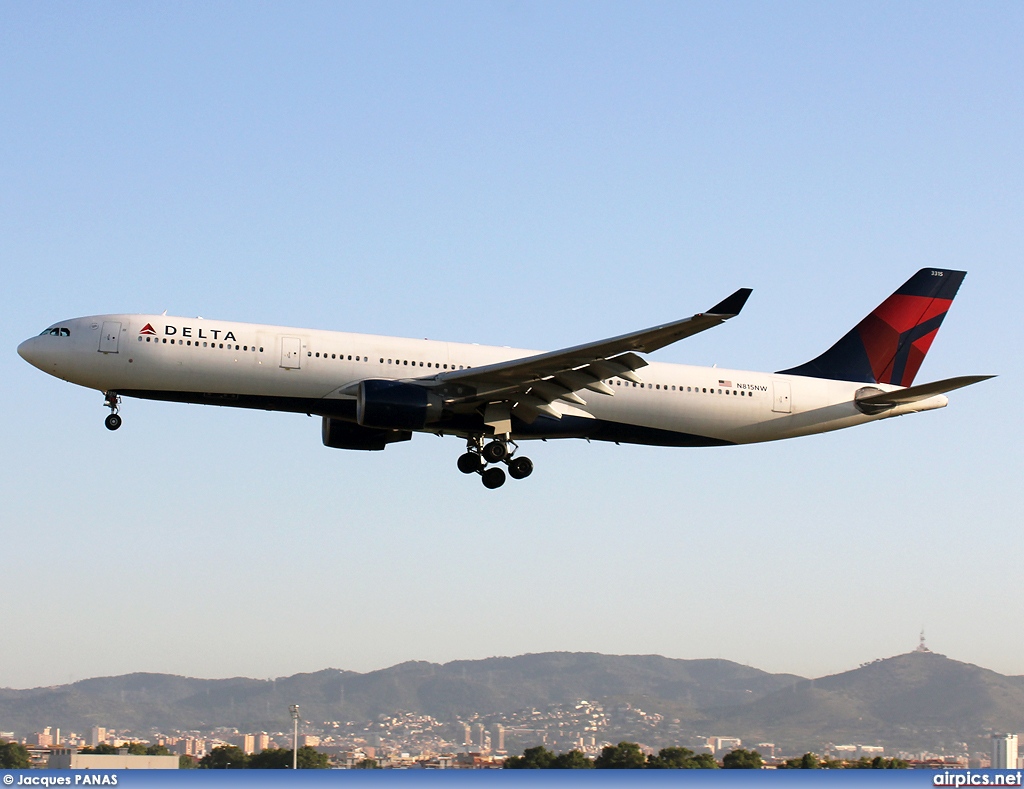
[705, 761]
[368, 764]
[13, 756]
[136, 749]
[671, 759]
[881, 763]
[186, 762]
[224, 757]
[281, 759]
[537, 758]
[157, 750]
[271, 759]
[624, 756]
[572, 760]
[741, 759]
[312, 759]
[808, 761]
[103, 747]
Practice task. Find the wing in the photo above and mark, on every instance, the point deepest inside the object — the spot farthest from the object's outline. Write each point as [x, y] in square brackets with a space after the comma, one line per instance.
[531, 386]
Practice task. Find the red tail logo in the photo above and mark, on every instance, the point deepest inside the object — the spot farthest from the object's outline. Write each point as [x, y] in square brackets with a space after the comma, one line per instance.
[889, 345]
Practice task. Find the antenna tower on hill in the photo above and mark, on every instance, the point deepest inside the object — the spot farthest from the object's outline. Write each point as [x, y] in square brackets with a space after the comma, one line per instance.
[921, 646]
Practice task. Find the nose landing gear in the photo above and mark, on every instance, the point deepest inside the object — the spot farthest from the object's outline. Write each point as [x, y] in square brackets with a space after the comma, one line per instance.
[478, 455]
[113, 402]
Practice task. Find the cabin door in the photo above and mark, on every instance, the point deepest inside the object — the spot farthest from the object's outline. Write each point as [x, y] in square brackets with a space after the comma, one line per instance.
[291, 353]
[110, 336]
[781, 401]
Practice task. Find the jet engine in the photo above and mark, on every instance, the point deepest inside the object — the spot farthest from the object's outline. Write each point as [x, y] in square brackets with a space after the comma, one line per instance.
[338, 434]
[395, 405]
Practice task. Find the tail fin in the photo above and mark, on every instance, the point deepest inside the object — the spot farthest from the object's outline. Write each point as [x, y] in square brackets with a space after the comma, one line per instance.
[888, 346]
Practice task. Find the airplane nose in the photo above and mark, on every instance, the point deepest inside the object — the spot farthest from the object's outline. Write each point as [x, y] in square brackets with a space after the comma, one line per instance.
[24, 350]
[32, 353]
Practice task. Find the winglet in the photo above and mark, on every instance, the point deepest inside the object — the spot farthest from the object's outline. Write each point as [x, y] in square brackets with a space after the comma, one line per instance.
[731, 305]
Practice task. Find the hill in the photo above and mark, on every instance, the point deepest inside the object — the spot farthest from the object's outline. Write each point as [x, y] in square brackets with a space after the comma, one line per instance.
[493, 685]
[916, 700]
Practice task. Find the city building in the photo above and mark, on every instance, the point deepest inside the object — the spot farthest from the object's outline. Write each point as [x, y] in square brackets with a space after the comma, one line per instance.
[725, 744]
[71, 759]
[97, 734]
[1004, 751]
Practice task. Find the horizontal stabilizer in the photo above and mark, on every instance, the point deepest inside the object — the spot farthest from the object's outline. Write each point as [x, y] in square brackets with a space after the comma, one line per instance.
[922, 392]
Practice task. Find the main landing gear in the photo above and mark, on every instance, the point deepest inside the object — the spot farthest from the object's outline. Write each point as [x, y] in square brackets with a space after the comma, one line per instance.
[113, 402]
[478, 455]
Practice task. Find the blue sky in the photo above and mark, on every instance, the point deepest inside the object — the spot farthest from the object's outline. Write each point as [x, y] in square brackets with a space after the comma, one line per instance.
[526, 174]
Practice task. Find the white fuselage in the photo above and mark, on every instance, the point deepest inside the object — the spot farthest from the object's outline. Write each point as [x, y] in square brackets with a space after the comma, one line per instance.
[307, 371]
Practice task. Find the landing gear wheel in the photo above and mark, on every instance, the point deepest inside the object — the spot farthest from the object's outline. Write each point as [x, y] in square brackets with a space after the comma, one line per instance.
[495, 452]
[113, 422]
[493, 478]
[520, 468]
[470, 463]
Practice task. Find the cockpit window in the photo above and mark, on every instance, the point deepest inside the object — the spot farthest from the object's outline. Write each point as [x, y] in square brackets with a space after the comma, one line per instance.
[56, 331]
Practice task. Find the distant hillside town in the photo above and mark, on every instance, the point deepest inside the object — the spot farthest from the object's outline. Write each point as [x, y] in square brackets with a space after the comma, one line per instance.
[918, 709]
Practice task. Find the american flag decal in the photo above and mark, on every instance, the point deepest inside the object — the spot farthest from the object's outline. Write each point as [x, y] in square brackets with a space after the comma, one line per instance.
[724, 383]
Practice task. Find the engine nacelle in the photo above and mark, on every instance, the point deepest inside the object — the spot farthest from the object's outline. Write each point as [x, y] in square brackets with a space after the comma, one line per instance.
[395, 405]
[338, 434]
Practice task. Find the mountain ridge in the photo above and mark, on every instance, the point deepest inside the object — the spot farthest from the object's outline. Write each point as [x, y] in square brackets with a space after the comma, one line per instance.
[912, 699]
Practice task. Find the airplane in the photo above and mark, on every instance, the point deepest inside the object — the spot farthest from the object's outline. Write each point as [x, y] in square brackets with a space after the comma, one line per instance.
[372, 391]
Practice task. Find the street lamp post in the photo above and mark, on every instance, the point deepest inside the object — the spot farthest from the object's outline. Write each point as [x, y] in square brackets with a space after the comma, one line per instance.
[294, 709]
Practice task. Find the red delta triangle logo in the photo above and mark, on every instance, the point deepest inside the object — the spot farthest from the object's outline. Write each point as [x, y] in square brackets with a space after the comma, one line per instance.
[148, 329]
